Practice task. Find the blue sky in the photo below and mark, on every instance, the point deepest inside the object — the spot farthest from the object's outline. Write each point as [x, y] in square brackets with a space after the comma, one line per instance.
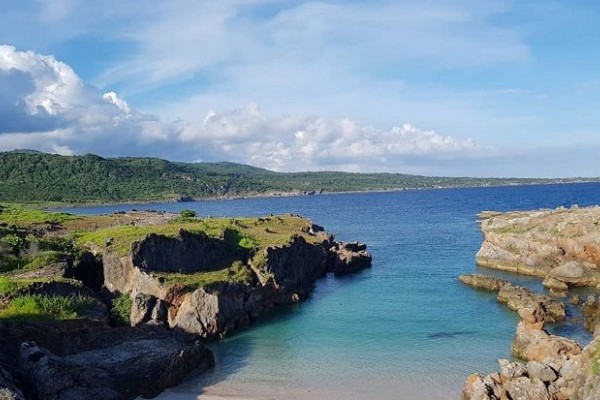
[446, 87]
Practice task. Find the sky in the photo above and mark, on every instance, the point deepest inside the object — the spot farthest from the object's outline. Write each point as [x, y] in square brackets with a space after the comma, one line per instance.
[435, 87]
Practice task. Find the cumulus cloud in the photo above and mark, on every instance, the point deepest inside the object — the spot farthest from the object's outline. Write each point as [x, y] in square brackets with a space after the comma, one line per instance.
[46, 106]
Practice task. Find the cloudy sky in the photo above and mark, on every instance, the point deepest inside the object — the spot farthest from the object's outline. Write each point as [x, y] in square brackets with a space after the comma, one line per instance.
[438, 87]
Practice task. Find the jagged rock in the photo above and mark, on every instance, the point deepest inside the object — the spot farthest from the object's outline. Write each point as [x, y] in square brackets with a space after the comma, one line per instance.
[591, 315]
[348, 258]
[524, 388]
[541, 371]
[122, 371]
[483, 282]
[511, 369]
[533, 343]
[537, 242]
[480, 387]
[555, 284]
[517, 297]
[576, 273]
[149, 310]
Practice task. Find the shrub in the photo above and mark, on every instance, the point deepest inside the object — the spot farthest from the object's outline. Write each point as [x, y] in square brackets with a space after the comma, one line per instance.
[188, 213]
[120, 312]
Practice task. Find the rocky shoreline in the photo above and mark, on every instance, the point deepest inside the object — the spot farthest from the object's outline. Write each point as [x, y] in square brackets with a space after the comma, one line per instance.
[562, 247]
[183, 289]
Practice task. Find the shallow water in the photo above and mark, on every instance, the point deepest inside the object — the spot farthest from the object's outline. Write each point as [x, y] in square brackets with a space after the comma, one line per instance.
[406, 328]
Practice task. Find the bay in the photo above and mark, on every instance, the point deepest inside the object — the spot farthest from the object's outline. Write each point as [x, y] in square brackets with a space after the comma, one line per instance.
[406, 328]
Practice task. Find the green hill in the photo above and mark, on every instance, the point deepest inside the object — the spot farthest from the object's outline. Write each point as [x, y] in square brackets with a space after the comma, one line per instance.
[28, 176]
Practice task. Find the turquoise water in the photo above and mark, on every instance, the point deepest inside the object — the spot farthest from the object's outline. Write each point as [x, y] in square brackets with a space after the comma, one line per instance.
[406, 328]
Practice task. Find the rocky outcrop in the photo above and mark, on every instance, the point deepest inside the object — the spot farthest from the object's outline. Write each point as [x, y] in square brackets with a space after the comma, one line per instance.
[186, 253]
[346, 258]
[556, 368]
[281, 275]
[84, 360]
[532, 342]
[518, 297]
[483, 282]
[563, 244]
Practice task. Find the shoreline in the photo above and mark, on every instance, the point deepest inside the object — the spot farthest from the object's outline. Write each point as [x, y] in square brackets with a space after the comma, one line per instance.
[283, 194]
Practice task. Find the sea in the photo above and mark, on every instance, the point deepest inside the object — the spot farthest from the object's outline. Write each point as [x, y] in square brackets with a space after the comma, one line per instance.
[405, 328]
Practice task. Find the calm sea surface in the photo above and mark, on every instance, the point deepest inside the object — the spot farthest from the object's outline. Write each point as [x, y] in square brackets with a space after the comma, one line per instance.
[406, 328]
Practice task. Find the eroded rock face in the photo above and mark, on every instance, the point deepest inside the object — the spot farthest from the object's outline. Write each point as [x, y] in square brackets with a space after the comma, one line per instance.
[538, 242]
[346, 258]
[483, 282]
[517, 298]
[185, 253]
[122, 371]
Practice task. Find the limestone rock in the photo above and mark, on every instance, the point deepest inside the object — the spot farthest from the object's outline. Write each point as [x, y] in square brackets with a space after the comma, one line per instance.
[517, 297]
[532, 342]
[524, 388]
[345, 258]
[576, 273]
[543, 372]
[483, 282]
[537, 242]
[553, 283]
[511, 369]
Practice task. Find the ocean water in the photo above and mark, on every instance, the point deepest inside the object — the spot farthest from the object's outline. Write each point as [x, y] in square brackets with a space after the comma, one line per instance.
[404, 329]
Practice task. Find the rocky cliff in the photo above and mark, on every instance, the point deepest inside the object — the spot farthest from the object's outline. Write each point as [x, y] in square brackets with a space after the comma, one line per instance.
[272, 275]
[561, 244]
[563, 247]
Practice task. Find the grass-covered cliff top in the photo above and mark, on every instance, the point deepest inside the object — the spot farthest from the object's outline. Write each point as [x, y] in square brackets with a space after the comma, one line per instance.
[38, 177]
[36, 246]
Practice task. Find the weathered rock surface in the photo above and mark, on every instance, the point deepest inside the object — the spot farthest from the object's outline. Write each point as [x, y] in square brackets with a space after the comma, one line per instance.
[86, 360]
[517, 298]
[483, 282]
[564, 243]
[346, 258]
[533, 343]
[591, 314]
[556, 369]
[286, 274]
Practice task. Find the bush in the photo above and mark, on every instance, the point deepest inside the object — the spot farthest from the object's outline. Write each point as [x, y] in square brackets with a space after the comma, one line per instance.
[120, 312]
[188, 213]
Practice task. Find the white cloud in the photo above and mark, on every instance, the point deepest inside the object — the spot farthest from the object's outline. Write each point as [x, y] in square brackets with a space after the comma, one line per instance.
[79, 119]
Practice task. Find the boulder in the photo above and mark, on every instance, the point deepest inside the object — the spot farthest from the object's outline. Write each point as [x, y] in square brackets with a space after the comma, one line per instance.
[541, 371]
[511, 369]
[148, 310]
[555, 284]
[533, 343]
[576, 273]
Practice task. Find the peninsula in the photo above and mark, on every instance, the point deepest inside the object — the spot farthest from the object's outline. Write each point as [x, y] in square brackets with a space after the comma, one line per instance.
[119, 306]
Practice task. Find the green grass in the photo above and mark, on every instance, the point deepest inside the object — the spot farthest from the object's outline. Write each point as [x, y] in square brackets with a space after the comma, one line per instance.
[22, 215]
[120, 311]
[236, 272]
[48, 307]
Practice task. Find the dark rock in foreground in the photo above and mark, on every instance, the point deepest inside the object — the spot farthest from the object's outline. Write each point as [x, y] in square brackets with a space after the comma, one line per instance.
[85, 360]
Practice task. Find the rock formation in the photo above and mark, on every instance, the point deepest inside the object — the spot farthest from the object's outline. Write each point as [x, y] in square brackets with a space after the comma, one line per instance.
[517, 297]
[563, 244]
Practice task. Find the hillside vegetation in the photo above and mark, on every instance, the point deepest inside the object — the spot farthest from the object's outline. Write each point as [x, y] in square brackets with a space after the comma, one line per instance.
[29, 176]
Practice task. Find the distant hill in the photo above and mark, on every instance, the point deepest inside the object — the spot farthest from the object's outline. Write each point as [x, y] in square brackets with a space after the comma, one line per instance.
[30, 176]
